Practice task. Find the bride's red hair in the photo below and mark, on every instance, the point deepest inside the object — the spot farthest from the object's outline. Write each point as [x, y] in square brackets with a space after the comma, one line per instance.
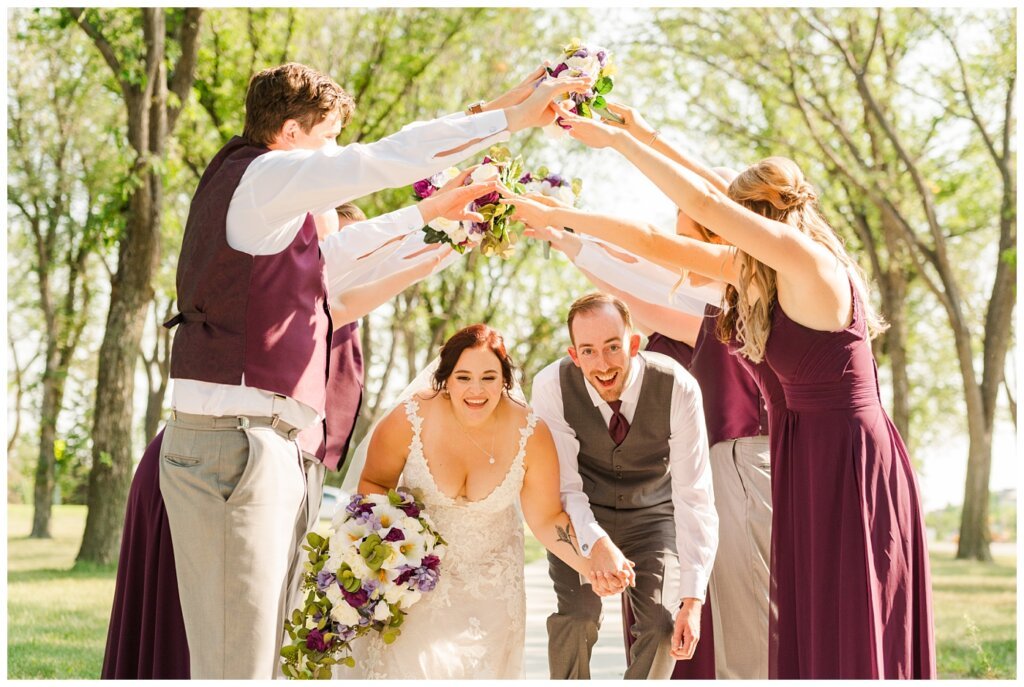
[473, 336]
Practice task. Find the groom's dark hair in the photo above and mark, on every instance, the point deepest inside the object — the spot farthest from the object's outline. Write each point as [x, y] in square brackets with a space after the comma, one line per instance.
[596, 301]
[291, 91]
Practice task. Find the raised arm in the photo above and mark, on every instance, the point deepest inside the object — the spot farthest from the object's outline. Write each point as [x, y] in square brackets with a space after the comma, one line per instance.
[803, 265]
[357, 301]
[672, 252]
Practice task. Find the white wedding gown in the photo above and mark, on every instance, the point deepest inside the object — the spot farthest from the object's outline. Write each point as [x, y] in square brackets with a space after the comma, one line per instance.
[473, 625]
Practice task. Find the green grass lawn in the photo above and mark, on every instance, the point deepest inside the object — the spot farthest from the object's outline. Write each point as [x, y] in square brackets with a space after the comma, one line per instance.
[57, 615]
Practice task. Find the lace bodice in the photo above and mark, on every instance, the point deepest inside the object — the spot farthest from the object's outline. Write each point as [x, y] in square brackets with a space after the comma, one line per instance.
[473, 624]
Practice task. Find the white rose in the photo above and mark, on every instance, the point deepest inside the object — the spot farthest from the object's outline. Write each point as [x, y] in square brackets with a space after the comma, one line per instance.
[409, 598]
[484, 173]
[565, 195]
[458, 235]
[334, 595]
[382, 612]
[345, 614]
[589, 65]
[445, 225]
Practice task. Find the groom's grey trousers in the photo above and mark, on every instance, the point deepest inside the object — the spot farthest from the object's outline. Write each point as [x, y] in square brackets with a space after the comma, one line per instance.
[236, 497]
[647, 537]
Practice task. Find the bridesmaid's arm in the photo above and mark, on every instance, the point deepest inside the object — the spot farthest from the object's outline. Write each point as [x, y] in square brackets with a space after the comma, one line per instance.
[542, 506]
[387, 453]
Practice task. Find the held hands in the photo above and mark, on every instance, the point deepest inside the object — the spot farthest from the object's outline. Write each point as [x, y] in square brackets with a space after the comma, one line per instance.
[519, 92]
[633, 122]
[610, 572]
[590, 132]
[452, 199]
[686, 632]
[538, 109]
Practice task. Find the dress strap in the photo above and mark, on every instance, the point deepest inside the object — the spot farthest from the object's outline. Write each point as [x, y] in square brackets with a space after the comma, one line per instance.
[412, 407]
[524, 435]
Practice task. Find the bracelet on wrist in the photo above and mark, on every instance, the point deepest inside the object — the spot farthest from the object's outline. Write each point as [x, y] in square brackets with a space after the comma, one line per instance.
[654, 137]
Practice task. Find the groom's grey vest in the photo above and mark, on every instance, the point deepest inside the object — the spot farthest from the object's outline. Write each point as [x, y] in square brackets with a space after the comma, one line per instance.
[634, 474]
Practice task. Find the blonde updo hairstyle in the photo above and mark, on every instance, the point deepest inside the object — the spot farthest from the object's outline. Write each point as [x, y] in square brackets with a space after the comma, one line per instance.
[776, 188]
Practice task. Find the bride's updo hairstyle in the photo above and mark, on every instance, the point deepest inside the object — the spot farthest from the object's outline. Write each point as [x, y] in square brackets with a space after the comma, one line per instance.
[776, 188]
[473, 336]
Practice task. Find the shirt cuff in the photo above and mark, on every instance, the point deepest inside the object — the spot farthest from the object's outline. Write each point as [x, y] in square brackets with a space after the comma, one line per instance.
[408, 219]
[588, 536]
[488, 124]
[692, 584]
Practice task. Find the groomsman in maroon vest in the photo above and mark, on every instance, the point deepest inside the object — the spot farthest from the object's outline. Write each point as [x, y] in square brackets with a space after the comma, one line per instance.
[250, 356]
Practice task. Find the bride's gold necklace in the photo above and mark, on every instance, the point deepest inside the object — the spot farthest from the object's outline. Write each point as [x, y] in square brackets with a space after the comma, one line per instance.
[465, 432]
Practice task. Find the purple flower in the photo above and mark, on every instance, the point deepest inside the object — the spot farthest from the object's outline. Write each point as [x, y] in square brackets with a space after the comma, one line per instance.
[431, 562]
[423, 188]
[562, 66]
[356, 506]
[317, 617]
[344, 632]
[370, 586]
[582, 52]
[487, 160]
[355, 599]
[403, 577]
[325, 579]
[526, 178]
[478, 227]
[489, 199]
[555, 180]
[410, 509]
[315, 641]
[394, 534]
[425, 579]
[602, 56]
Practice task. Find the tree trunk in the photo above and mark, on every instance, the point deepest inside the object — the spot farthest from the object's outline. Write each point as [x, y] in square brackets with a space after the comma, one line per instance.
[46, 466]
[975, 535]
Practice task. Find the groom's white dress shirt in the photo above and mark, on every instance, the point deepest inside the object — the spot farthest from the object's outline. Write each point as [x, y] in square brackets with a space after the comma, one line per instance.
[696, 521]
[644, 279]
[278, 188]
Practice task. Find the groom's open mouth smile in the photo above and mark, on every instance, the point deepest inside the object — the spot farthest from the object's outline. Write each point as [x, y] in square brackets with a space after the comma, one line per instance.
[606, 380]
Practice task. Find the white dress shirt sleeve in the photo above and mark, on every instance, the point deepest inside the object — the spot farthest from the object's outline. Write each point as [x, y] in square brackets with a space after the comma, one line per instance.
[280, 187]
[693, 499]
[644, 279]
[346, 251]
[547, 404]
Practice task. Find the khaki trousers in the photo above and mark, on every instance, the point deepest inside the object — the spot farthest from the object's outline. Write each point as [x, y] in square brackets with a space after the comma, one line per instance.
[647, 537]
[235, 492]
[741, 473]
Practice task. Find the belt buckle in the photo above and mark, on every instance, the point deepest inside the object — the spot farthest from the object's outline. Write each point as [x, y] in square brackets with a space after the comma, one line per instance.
[243, 422]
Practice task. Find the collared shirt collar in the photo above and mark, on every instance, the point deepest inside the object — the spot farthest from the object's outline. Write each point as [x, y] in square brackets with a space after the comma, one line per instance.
[631, 392]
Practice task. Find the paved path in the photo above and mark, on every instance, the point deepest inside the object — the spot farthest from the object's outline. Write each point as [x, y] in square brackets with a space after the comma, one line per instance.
[609, 658]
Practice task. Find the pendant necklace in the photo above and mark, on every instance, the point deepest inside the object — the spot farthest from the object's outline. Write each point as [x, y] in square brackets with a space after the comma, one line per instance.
[489, 454]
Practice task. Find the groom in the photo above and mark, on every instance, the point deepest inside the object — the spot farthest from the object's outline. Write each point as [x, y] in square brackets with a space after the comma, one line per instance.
[250, 357]
[636, 482]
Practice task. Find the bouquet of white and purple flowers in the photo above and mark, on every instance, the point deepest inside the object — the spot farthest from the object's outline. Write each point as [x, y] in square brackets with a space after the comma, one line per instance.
[381, 554]
[493, 234]
[587, 61]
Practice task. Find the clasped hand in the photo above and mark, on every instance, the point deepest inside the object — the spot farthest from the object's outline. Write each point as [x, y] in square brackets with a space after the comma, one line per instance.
[611, 572]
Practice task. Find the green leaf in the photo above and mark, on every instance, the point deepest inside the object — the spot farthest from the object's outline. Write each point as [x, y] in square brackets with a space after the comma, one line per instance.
[289, 651]
[315, 540]
[604, 85]
[584, 111]
[599, 103]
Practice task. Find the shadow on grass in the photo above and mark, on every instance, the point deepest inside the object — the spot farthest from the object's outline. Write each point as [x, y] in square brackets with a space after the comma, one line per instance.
[82, 571]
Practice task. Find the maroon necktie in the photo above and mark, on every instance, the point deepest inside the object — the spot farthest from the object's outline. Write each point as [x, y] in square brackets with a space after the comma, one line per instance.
[619, 426]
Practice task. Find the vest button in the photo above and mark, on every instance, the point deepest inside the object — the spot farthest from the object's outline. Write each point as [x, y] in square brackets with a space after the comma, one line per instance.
[618, 467]
[621, 497]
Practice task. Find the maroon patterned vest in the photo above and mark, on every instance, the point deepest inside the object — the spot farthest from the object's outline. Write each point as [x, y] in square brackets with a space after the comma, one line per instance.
[733, 407]
[261, 316]
[329, 441]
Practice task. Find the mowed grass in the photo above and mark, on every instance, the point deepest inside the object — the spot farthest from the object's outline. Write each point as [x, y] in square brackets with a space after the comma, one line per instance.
[57, 615]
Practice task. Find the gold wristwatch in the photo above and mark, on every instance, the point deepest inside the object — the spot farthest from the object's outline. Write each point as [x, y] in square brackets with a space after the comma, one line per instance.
[475, 108]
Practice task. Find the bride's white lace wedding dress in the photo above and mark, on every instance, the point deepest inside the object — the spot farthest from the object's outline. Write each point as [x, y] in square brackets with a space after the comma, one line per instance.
[473, 625]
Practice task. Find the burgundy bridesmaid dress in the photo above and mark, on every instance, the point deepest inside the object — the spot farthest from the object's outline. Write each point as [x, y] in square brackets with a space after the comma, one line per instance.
[702, 665]
[850, 572]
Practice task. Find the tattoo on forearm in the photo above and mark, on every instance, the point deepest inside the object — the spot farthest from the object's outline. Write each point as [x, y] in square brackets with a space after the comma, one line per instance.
[565, 536]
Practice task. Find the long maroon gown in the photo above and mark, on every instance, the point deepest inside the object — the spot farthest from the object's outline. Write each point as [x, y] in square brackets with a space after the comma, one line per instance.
[702, 665]
[849, 567]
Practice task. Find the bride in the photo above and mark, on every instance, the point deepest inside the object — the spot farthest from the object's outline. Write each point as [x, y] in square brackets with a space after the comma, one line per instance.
[472, 454]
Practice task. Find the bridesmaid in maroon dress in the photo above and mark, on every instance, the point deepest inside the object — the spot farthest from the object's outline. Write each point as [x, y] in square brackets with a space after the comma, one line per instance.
[849, 569]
